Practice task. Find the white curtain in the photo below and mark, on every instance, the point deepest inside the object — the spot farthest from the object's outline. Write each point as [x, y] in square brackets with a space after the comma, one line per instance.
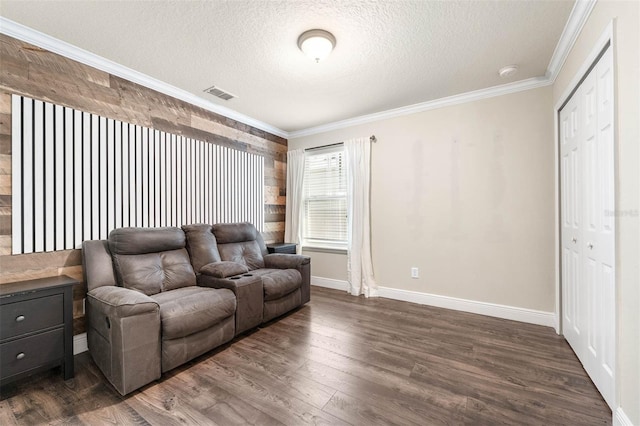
[295, 181]
[359, 264]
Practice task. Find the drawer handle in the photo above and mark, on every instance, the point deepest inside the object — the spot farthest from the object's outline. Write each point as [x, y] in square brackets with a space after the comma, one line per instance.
[20, 318]
[20, 355]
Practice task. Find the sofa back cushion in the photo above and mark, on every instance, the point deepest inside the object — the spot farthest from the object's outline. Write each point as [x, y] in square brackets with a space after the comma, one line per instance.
[240, 243]
[151, 260]
[202, 245]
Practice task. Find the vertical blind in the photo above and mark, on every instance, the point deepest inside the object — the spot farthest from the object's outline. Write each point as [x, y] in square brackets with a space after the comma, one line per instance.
[325, 198]
[76, 176]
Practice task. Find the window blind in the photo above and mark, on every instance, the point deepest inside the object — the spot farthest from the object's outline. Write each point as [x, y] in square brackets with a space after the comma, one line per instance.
[325, 198]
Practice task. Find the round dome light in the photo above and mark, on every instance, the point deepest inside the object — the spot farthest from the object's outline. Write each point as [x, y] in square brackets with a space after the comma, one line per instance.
[316, 44]
[508, 71]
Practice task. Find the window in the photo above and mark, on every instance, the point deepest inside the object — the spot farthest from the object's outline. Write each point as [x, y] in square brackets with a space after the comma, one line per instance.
[325, 199]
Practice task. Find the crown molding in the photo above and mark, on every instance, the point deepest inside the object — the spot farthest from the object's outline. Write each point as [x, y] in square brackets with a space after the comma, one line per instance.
[476, 95]
[578, 17]
[605, 38]
[29, 35]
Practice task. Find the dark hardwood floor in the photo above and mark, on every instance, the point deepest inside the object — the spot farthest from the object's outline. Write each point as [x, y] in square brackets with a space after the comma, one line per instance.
[341, 360]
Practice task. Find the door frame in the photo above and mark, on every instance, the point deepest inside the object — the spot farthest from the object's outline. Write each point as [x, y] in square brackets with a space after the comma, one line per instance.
[606, 38]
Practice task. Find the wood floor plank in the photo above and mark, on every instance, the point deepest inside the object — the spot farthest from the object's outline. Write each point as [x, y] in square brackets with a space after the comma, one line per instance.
[279, 403]
[303, 388]
[514, 398]
[247, 351]
[38, 406]
[433, 404]
[389, 337]
[218, 405]
[118, 412]
[167, 404]
[569, 387]
[359, 412]
[344, 344]
[6, 414]
[340, 360]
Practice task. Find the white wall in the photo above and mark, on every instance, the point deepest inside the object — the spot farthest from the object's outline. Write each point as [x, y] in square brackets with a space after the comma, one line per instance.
[466, 194]
[328, 264]
[627, 59]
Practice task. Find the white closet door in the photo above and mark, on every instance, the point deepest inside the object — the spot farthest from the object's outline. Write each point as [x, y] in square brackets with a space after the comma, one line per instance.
[573, 312]
[599, 235]
[588, 237]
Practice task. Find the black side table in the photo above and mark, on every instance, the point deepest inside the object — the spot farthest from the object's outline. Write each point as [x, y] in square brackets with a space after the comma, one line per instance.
[288, 248]
[36, 327]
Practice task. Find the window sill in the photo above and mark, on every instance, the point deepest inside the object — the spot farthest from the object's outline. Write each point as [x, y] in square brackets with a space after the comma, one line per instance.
[317, 249]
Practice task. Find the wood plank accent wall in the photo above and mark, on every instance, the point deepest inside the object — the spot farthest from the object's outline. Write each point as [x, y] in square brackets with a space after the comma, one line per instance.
[31, 71]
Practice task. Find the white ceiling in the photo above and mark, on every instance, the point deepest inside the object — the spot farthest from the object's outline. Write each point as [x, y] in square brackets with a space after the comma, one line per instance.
[389, 54]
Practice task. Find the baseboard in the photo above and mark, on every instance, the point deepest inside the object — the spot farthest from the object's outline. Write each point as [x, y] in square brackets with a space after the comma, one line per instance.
[80, 343]
[483, 308]
[330, 283]
[620, 418]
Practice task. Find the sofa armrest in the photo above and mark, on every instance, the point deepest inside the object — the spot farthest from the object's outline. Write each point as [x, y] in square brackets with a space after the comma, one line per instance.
[123, 333]
[249, 297]
[285, 261]
[223, 269]
[121, 302]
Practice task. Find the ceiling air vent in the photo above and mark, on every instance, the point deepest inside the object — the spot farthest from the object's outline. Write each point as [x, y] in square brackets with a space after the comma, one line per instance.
[219, 93]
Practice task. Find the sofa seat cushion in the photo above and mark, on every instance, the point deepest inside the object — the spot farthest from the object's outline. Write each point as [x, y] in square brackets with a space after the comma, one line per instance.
[278, 283]
[188, 310]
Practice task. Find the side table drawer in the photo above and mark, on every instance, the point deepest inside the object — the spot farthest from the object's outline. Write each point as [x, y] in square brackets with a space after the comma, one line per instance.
[31, 315]
[30, 352]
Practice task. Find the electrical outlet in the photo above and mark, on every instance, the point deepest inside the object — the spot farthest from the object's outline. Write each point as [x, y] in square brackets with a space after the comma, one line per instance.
[414, 272]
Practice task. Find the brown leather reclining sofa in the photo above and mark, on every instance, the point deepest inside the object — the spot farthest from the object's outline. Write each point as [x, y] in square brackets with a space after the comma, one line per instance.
[159, 297]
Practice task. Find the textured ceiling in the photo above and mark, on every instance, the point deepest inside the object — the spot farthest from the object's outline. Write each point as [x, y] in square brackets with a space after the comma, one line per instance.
[389, 54]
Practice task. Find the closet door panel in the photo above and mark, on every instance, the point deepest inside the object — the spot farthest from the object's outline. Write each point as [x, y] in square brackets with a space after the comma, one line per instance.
[588, 224]
[571, 217]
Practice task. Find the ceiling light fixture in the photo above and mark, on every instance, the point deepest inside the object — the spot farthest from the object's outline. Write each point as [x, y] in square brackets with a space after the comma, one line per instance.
[316, 44]
[508, 71]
